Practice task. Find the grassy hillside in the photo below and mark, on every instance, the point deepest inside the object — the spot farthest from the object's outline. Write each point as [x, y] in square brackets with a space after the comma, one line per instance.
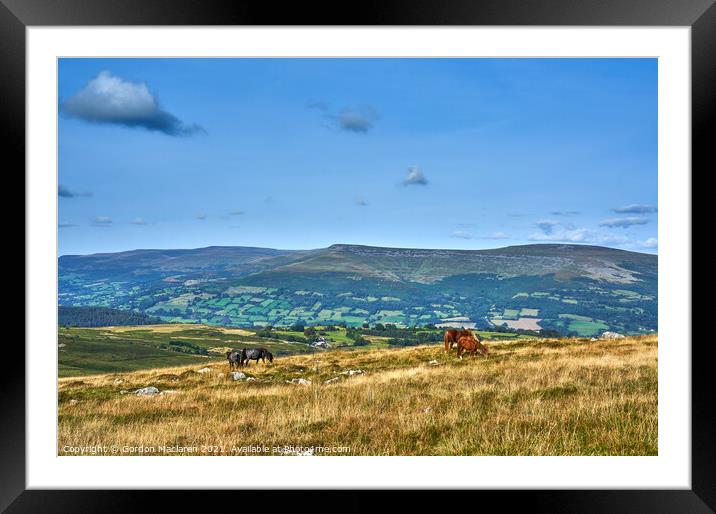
[530, 397]
[85, 351]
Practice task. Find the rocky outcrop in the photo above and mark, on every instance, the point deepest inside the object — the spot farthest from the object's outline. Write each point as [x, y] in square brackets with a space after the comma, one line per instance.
[612, 335]
[147, 391]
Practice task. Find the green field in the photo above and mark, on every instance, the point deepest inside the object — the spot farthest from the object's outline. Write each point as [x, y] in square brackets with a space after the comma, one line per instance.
[529, 312]
[583, 325]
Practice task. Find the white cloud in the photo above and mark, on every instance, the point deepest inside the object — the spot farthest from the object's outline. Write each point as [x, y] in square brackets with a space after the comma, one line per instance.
[461, 234]
[415, 177]
[565, 213]
[635, 209]
[356, 120]
[546, 226]
[101, 221]
[138, 221]
[562, 234]
[112, 100]
[350, 119]
[64, 192]
[625, 222]
[496, 235]
[571, 234]
[651, 242]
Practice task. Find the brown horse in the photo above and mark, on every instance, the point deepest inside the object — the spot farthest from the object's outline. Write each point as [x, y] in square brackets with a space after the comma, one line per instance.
[466, 344]
[452, 335]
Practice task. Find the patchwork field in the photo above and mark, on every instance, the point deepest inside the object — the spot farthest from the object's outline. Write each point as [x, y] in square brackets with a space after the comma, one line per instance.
[520, 323]
[529, 397]
[355, 285]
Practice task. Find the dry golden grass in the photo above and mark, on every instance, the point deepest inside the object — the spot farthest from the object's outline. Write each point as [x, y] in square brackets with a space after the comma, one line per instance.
[530, 397]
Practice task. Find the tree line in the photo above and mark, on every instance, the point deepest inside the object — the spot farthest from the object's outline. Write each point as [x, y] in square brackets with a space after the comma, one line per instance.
[102, 317]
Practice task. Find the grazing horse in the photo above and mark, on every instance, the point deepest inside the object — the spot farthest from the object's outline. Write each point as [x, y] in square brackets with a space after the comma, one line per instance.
[451, 336]
[467, 344]
[234, 358]
[248, 354]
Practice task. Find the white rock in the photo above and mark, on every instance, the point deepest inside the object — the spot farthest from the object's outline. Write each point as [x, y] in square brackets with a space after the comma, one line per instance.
[352, 372]
[612, 335]
[204, 370]
[123, 391]
[61, 345]
[433, 363]
[299, 381]
[118, 381]
[147, 391]
[237, 375]
[250, 379]
[73, 401]
[332, 380]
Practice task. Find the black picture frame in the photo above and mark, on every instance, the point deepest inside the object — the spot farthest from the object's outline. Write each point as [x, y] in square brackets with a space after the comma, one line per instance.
[17, 15]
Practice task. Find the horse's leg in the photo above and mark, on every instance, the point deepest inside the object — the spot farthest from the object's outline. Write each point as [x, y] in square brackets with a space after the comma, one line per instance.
[459, 351]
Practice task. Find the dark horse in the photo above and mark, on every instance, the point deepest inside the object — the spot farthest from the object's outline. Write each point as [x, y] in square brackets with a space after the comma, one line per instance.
[234, 358]
[248, 354]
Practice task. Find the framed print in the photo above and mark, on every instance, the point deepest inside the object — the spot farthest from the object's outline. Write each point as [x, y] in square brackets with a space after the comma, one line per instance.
[437, 247]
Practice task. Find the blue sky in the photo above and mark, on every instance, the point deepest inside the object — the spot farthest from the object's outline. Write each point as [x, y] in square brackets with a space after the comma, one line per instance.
[304, 153]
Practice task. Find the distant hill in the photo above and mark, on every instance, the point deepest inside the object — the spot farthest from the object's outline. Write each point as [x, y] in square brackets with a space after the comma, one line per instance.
[102, 317]
[575, 289]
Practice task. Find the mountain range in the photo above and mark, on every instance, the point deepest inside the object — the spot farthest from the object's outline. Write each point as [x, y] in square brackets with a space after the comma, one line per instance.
[574, 289]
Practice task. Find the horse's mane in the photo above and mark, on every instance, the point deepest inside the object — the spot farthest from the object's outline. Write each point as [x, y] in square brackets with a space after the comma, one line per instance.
[466, 332]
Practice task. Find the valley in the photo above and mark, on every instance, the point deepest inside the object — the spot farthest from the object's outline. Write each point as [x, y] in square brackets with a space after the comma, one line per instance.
[572, 289]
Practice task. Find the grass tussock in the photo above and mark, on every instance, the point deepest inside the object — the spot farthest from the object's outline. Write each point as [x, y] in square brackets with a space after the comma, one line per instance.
[538, 397]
